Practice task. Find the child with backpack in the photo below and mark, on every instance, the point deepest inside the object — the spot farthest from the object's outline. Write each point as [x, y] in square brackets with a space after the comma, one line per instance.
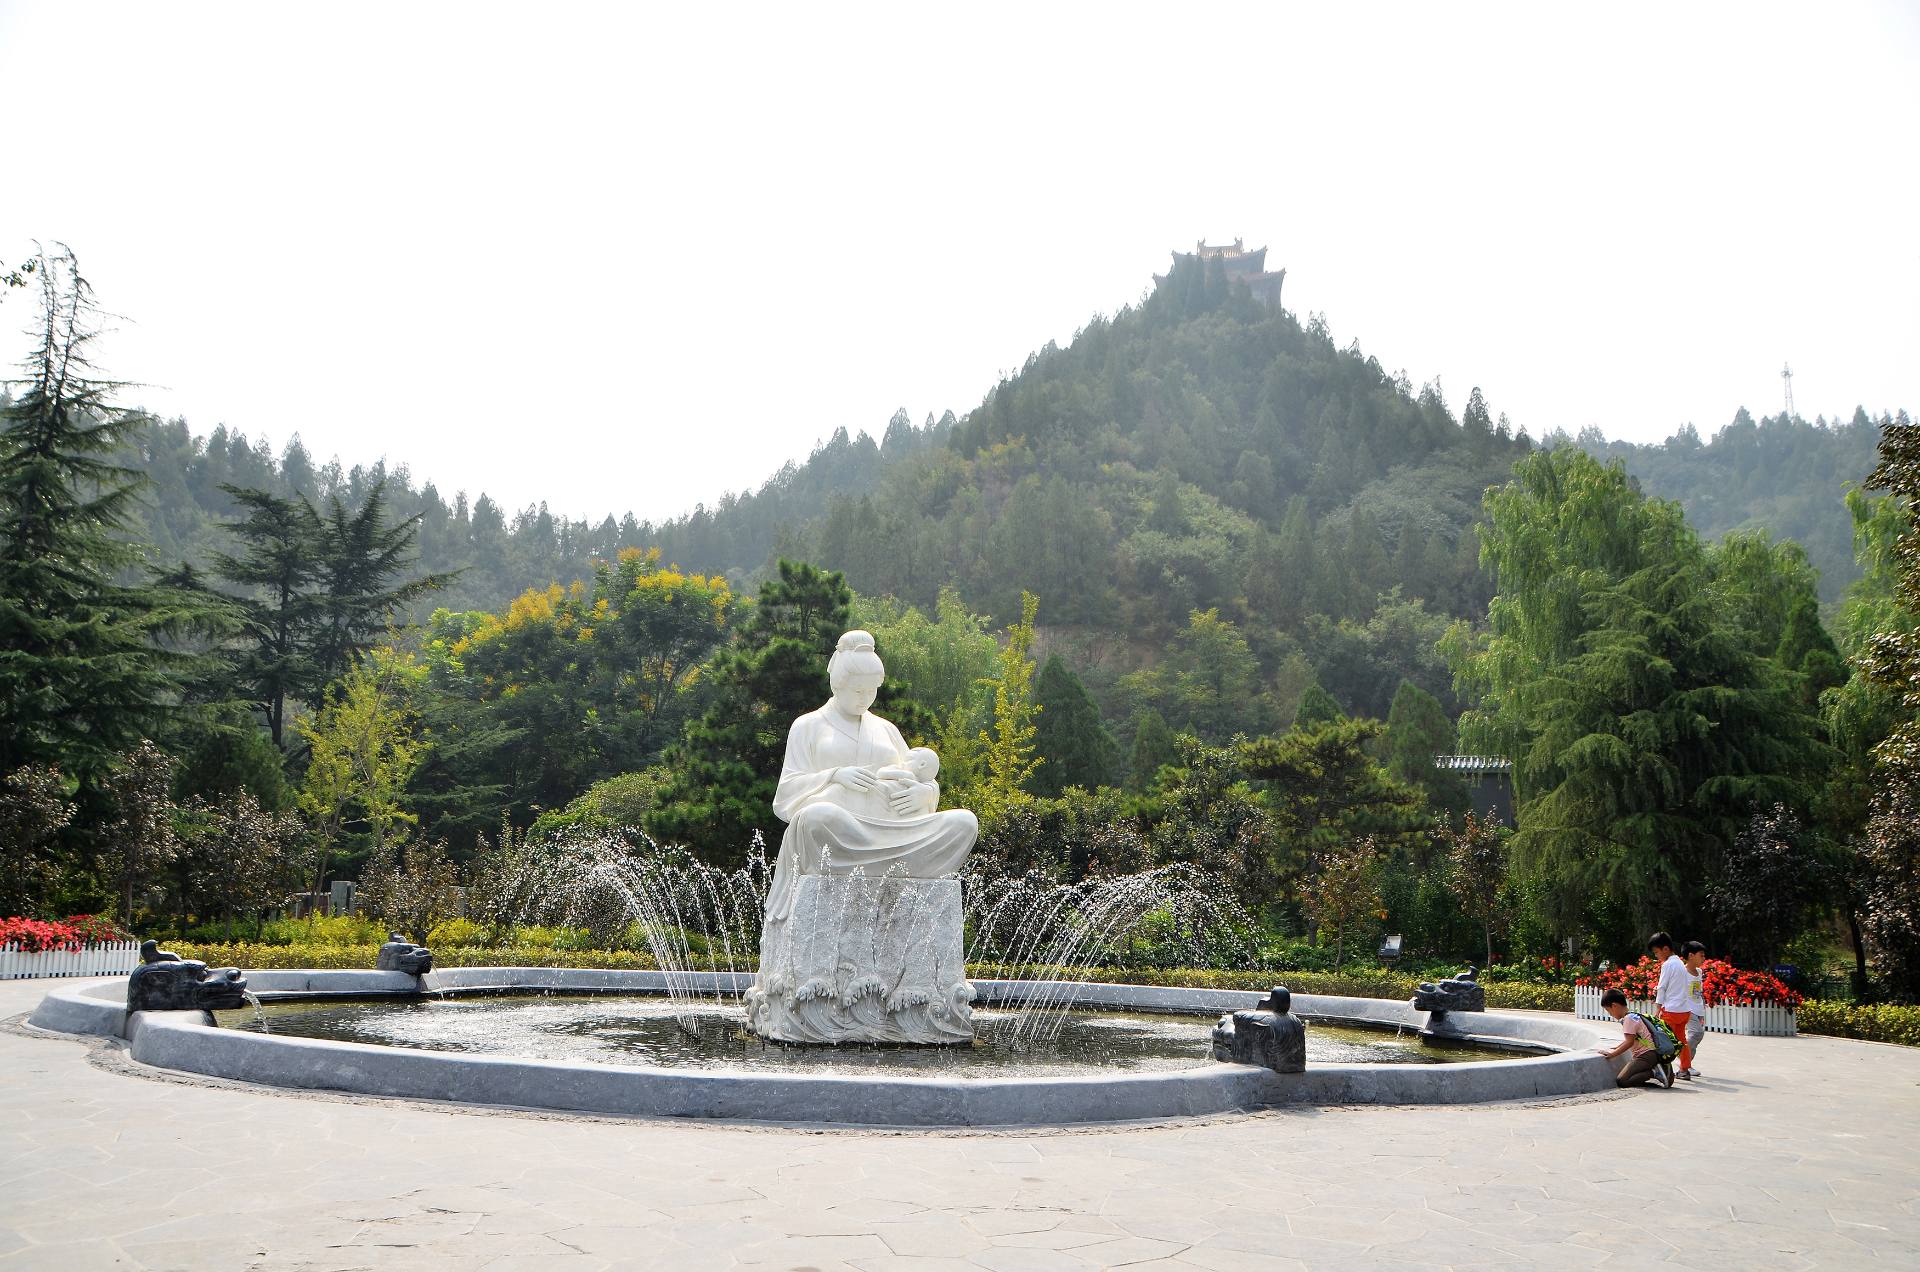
[1646, 1041]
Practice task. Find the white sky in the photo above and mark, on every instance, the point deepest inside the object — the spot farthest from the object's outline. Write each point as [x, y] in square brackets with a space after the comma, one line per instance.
[628, 257]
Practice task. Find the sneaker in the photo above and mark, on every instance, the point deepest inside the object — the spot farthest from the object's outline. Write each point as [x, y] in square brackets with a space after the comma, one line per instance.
[1666, 1074]
[1686, 1075]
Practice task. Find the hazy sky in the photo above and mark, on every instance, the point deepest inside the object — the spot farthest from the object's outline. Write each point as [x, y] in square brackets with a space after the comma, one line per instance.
[628, 257]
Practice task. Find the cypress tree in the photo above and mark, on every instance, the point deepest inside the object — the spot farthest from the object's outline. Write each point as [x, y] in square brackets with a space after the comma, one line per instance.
[1417, 730]
[1153, 747]
[727, 763]
[1073, 740]
[1317, 708]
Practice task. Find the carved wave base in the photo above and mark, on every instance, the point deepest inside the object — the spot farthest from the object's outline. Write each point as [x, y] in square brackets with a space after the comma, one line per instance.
[865, 960]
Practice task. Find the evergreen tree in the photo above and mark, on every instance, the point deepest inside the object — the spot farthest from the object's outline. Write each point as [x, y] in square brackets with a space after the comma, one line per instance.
[361, 554]
[728, 761]
[1417, 730]
[1317, 708]
[84, 675]
[277, 568]
[1806, 649]
[1153, 748]
[1075, 746]
[1644, 726]
[1008, 757]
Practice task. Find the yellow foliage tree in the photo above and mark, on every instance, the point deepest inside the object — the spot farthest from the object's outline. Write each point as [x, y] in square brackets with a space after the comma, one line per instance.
[362, 750]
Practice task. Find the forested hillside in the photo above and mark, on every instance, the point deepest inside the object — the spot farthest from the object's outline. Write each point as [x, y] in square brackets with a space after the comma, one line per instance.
[1782, 475]
[1195, 454]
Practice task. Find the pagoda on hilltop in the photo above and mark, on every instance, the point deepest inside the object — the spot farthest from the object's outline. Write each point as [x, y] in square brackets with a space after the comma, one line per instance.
[1238, 264]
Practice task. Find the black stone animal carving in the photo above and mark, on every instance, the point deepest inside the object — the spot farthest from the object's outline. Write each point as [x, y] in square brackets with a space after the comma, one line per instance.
[1456, 993]
[1269, 1035]
[401, 955]
[166, 982]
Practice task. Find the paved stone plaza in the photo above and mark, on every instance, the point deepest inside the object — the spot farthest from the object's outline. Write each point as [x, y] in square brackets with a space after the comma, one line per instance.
[1789, 1153]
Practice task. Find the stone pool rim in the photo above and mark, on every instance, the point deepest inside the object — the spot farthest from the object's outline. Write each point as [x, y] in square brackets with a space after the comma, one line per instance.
[189, 1041]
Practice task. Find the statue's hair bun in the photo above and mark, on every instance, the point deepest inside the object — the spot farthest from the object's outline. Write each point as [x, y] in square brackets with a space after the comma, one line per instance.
[855, 642]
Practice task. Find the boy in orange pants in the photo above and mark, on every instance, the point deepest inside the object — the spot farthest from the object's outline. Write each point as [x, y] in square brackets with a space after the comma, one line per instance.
[1670, 996]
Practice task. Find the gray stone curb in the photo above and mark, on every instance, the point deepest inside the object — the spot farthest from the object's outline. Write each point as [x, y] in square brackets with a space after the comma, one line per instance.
[187, 1041]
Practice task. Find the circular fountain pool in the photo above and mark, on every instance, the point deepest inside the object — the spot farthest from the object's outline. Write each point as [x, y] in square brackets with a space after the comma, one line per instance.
[1124, 1053]
[654, 1031]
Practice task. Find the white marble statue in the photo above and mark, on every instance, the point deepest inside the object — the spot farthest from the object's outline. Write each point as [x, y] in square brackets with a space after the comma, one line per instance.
[862, 936]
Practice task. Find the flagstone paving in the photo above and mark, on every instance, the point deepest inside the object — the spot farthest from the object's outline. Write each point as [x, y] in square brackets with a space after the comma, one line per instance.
[1790, 1153]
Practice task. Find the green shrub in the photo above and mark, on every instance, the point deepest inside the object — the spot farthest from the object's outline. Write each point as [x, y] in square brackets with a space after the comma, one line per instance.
[449, 932]
[1881, 1022]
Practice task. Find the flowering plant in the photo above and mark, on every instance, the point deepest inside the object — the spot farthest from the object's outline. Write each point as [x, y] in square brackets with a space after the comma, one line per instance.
[95, 929]
[1726, 985]
[37, 936]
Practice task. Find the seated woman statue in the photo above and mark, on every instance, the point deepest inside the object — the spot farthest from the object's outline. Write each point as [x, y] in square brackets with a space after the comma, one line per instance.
[861, 939]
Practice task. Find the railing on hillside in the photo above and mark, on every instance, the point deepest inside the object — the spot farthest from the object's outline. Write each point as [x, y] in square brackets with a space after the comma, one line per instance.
[1767, 1020]
[108, 958]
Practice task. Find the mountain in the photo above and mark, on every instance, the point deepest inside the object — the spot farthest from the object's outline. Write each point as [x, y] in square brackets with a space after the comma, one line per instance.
[1200, 451]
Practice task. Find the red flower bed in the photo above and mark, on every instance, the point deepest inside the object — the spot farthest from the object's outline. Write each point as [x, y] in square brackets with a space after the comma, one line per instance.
[37, 936]
[1726, 985]
[95, 929]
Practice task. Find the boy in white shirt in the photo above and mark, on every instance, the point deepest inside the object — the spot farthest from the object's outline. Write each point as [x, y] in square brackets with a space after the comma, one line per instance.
[1695, 955]
[1670, 995]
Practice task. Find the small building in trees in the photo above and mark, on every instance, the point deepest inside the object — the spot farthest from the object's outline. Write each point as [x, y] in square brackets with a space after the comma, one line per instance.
[1238, 264]
[1488, 780]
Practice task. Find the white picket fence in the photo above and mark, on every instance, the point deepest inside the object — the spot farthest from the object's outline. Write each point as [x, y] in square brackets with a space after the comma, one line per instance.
[1770, 1020]
[107, 959]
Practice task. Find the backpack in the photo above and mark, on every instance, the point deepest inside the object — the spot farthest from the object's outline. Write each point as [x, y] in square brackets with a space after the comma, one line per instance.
[1665, 1045]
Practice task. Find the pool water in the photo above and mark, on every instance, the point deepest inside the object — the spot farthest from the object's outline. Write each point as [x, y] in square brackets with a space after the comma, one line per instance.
[711, 1035]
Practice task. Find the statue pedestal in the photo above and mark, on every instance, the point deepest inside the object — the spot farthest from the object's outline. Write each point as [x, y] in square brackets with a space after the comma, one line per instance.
[865, 960]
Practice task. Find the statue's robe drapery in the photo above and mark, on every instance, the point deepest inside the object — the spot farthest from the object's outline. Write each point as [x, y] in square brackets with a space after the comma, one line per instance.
[834, 830]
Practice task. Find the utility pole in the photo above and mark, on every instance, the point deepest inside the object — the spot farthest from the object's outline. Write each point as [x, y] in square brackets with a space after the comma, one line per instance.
[1786, 375]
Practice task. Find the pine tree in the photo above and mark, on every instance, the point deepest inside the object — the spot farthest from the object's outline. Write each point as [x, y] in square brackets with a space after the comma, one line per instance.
[1076, 748]
[727, 763]
[360, 555]
[83, 675]
[281, 558]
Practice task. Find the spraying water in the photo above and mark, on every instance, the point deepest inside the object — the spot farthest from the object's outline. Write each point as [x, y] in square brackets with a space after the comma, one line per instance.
[689, 916]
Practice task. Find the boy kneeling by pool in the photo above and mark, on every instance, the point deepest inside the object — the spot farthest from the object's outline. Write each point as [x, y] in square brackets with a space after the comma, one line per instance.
[1647, 1043]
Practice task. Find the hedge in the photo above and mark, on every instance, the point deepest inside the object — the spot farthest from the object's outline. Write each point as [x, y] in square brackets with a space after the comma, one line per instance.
[1355, 984]
[1880, 1022]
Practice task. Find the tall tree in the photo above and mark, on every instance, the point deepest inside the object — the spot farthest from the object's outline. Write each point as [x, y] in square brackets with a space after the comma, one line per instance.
[1417, 730]
[1645, 726]
[280, 538]
[1891, 845]
[139, 838]
[85, 668]
[1343, 894]
[1476, 870]
[728, 761]
[1153, 747]
[1076, 748]
[362, 555]
[1008, 756]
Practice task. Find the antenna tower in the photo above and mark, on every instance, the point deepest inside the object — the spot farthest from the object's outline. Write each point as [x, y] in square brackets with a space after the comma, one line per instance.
[1786, 376]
